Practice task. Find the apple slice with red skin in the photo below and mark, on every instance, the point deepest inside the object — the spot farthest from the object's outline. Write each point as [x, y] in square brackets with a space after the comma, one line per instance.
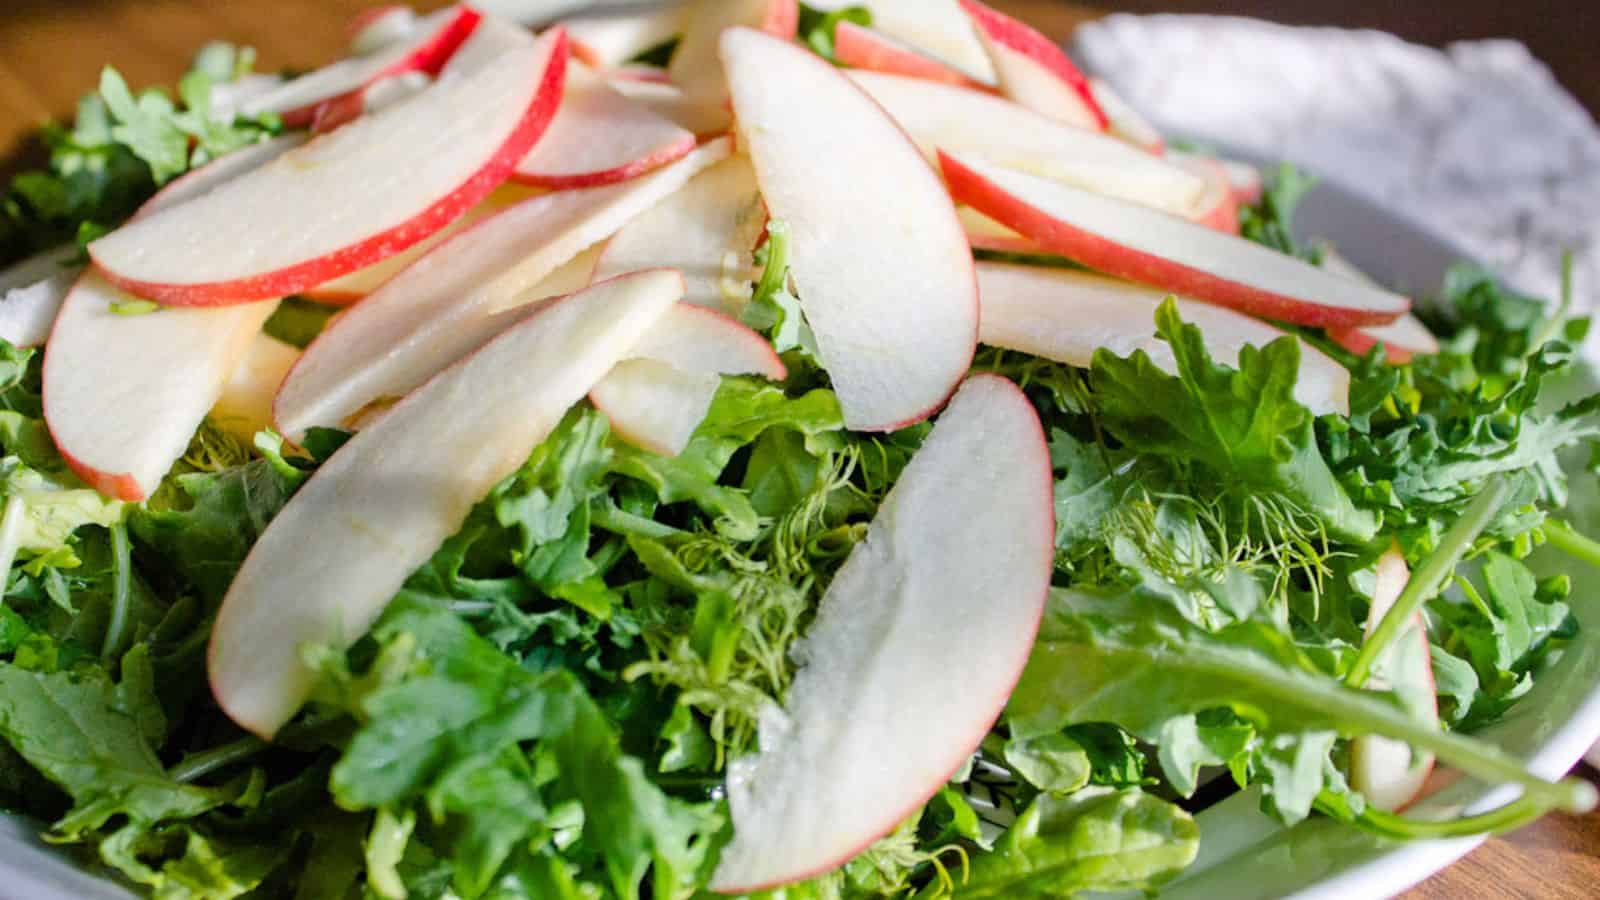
[348, 289]
[441, 307]
[862, 48]
[1218, 207]
[425, 48]
[1245, 179]
[599, 136]
[381, 95]
[380, 26]
[942, 117]
[704, 120]
[1148, 247]
[657, 399]
[956, 563]
[1388, 772]
[31, 293]
[330, 561]
[1065, 315]
[1402, 340]
[883, 268]
[605, 42]
[121, 435]
[696, 67]
[1033, 71]
[639, 72]
[938, 28]
[393, 179]
[1125, 122]
[245, 405]
[984, 233]
[707, 231]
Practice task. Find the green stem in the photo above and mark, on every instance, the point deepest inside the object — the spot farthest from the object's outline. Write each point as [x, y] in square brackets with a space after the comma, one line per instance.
[204, 763]
[1429, 577]
[1510, 817]
[122, 591]
[1557, 319]
[1565, 538]
[774, 276]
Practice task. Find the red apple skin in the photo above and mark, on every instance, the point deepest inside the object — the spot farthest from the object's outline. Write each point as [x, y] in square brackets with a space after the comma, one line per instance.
[642, 166]
[1223, 213]
[636, 72]
[1047, 521]
[307, 275]
[1024, 39]
[1055, 236]
[428, 57]
[783, 18]
[863, 48]
[1359, 342]
[370, 16]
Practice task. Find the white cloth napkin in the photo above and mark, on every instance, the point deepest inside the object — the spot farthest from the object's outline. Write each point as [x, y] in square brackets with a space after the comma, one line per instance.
[1476, 139]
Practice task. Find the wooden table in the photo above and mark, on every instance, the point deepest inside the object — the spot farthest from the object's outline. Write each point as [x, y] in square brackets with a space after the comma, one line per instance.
[51, 51]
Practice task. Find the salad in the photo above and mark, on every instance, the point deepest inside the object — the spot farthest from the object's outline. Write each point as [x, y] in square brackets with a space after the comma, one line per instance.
[798, 450]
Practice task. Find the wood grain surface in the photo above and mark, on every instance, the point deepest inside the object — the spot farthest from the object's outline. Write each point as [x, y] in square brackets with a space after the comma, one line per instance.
[51, 51]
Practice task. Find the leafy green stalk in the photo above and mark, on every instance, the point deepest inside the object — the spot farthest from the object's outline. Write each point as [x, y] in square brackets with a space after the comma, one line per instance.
[122, 563]
[1426, 581]
[1568, 540]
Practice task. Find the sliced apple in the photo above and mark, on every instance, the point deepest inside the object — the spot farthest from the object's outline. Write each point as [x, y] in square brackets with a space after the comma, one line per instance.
[882, 265]
[942, 117]
[198, 182]
[1125, 122]
[1033, 71]
[1402, 340]
[599, 136]
[705, 120]
[330, 561]
[379, 27]
[1066, 316]
[426, 48]
[1387, 772]
[1218, 207]
[348, 199]
[245, 404]
[657, 399]
[864, 48]
[639, 72]
[984, 233]
[707, 231]
[696, 66]
[381, 95]
[1246, 180]
[31, 293]
[1165, 252]
[608, 41]
[938, 28]
[440, 307]
[957, 562]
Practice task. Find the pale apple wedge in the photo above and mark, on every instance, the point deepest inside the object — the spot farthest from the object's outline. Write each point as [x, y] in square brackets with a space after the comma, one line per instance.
[704, 120]
[938, 28]
[121, 435]
[957, 562]
[1125, 122]
[214, 174]
[437, 309]
[425, 47]
[657, 399]
[942, 117]
[1402, 340]
[245, 405]
[1165, 252]
[608, 41]
[348, 289]
[984, 233]
[1388, 772]
[379, 27]
[1033, 71]
[696, 67]
[1218, 207]
[883, 268]
[1066, 316]
[331, 560]
[1246, 179]
[380, 96]
[31, 293]
[599, 136]
[347, 199]
[863, 48]
[706, 230]
[639, 72]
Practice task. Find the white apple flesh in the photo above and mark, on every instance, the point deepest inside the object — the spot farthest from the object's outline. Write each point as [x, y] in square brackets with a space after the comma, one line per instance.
[704, 120]
[863, 48]
[1145, 246]
[1387, 772]
[1033, 71]
[245, 405]
[883, 268]
[347, 199]
[1125, 122]
[1403, 339]
[707, 231]
[938, 28]
[1218, 207]
[608, 41]
[599, 136]
[1066, 316]
[379, 27]
[31, 293]
[956, 563]
[941, 117]
[330, 561]
[440, 307]
[984, 233]
[695, 65]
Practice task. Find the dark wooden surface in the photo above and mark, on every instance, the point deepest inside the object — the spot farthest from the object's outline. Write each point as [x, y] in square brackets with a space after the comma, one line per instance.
[51, 51]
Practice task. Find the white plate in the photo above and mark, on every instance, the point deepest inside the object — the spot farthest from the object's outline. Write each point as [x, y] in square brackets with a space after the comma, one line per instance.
[1243, 854]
